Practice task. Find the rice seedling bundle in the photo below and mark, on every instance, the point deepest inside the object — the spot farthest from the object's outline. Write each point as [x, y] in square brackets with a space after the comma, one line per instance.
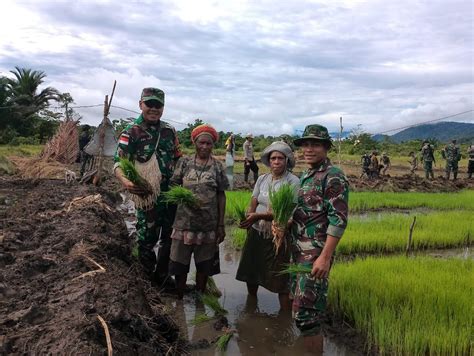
[179, 195]
[131, 173]
[223, 340]
[213, 303]
[201, 318]
[295, 269]
[407, 306]
[282, 203]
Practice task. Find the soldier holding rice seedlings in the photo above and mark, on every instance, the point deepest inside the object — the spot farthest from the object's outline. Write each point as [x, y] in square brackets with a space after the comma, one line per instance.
[198, 230]
[152, 145]
[319, 221]
[428, 159]
[260, 263]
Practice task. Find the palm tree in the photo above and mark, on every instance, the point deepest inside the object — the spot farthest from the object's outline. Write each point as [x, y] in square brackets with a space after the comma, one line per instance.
[25, 99]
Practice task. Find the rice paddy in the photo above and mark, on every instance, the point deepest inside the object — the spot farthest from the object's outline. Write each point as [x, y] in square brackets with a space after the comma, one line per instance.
[407, 306]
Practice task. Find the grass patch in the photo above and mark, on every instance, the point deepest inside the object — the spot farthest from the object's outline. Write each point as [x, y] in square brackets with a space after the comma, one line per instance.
[407, 306]
[238, 238]
[389, 233]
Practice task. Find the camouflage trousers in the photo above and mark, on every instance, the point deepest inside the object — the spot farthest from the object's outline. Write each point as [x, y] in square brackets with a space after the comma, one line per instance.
[154, 226]
[309, 293]
[451, 166]
[428, 167]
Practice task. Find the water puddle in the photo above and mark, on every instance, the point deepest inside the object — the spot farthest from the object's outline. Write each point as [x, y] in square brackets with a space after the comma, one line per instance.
[260, 328]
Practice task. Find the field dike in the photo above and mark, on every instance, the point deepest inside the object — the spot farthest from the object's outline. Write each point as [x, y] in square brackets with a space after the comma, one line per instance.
[68, 283]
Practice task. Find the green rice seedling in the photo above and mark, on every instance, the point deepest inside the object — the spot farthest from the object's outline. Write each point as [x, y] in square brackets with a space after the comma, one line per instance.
[282, 203]
[238, 238]
[407, 306]
[211, 288]
[223, 340]
[130, 172]
[389, 232]
[213, 303]
[293, 268]
[240, 212]
[201, 319]
[236, 205]
[179, 195]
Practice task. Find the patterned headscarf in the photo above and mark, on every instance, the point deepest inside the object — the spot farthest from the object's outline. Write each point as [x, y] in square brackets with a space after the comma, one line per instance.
[204, 129]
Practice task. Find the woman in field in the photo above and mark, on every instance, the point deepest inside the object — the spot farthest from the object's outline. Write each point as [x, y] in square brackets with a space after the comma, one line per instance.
[199, 230]
[318, 223]
[259, 265]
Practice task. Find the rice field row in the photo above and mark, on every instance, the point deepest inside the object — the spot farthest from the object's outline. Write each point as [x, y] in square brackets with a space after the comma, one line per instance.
[407, 306]
[365, 201]
[388, 233]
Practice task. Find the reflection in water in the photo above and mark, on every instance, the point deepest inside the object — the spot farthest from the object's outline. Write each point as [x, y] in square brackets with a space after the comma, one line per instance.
[260, 328]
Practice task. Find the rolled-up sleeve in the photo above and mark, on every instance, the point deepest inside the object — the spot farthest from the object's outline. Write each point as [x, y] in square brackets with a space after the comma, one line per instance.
[337, 200]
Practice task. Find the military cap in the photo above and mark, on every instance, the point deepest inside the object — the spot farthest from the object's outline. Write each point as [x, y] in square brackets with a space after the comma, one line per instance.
[314, 132]
[153, 94]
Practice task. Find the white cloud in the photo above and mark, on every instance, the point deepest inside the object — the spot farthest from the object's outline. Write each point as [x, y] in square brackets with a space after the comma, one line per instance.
[268, 66]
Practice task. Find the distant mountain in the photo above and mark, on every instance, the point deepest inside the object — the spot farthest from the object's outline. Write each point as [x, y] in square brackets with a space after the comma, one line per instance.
[443, 131]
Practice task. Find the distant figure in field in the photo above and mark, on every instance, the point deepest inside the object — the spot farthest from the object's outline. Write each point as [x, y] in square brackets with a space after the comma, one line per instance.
[229, 160]
[386, 163]
[365, 161]
[374, 165]
[413, 162]
[84, 139]
[470, 167]
[452, 154]
[427, 157]
[249, 164]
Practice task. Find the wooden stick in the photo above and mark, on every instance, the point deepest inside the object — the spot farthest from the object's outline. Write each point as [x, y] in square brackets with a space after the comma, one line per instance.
[410, 236]
[107, 335]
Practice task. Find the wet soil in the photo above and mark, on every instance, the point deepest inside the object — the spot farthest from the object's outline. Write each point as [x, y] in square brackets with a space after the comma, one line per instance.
[63, 265]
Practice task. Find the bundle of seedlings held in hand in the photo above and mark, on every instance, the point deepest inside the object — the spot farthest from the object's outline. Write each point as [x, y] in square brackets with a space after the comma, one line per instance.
[180, 196]
[131, 173]
[282, 204]
[296, 269]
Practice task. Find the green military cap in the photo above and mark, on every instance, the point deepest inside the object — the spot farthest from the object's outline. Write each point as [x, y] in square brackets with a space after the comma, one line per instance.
[314, 132]
[153, 94]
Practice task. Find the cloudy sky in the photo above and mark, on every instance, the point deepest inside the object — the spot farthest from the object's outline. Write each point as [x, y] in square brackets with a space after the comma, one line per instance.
[262, 66]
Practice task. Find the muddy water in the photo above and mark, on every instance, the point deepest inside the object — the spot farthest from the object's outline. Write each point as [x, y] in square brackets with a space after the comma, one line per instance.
[260, 328]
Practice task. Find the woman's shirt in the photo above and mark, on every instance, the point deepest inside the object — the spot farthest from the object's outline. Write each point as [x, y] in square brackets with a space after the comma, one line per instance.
[205, 181]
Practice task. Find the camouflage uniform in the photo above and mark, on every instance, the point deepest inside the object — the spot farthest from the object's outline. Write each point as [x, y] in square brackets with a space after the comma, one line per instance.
[386, 163]
[470, 167]
[427, 157]
[413, 164]
[452, 155]
[365, 159]
[322, 210]
[138, 142]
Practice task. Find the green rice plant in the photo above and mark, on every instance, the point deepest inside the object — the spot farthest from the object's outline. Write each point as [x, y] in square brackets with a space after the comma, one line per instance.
[407, 306]
[365, 201]
[211, 288]
[282, 203]
[201, 319]
[179, 195]
[212, 302]
[238, 238]
[389, 232]
[293, 268]
[222, 341]
[131, 173]
[237, 201]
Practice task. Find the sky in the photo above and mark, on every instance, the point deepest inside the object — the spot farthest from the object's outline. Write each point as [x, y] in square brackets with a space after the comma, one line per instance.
[265, 67]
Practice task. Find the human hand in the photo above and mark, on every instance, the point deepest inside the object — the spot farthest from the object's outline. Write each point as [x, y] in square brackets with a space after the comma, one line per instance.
[133, 188]
[321, 267]
[249, 221]
[220, 234]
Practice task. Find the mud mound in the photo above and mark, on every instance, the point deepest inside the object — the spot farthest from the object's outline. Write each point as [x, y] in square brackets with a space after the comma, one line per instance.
[409, 183]
[65, 260]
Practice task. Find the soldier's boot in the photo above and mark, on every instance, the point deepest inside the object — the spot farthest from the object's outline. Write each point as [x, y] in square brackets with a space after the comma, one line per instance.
[427, 175]
[432, 174]
[246, 177]
[455, 174]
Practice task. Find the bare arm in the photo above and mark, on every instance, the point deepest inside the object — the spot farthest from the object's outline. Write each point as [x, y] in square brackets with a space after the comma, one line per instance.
[253, 217]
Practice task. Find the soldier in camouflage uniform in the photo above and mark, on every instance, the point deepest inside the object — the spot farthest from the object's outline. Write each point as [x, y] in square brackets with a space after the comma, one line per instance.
[470, 167]
[318, 224]
[427, 157]
[452, 155]
[137, 143]
[413, 162]
[386, 163]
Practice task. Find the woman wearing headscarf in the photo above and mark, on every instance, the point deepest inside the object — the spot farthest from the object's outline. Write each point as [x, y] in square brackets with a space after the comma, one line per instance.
[260, 265]
[199, 230]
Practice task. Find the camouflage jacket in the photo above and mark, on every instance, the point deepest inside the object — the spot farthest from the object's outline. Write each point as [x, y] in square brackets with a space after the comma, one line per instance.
[205, 182]
[322, 207]
[427, 153]
[452, 153]
[138, 142]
